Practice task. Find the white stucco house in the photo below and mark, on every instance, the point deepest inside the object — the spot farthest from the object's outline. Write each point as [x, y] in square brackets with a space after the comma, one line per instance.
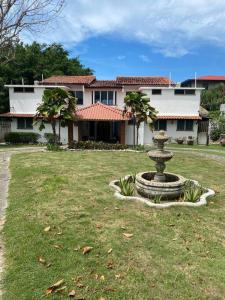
[100, 106]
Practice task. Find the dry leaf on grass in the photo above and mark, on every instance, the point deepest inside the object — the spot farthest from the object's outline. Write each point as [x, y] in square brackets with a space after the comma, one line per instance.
[80, 285]
[41, 260]
[87, 249]
[59, 290]
[54, 287]
[102, 278]
[72, 293]
[98, 226]
[110, 264]
[58, 246]
[48, 228]
[128, 235]
[101, 298]
[109, 251]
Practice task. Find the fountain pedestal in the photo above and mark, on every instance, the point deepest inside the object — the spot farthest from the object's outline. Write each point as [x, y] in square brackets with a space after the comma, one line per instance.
[151, 184]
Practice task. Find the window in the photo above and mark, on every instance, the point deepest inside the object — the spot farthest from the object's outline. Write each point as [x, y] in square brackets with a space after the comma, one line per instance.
[184, 125]
[131, 122]
[160, 125]
[79, 96]
[23, 90]
[156, 92]
[105, 97]
[184, 92]
[18, 90]
[24, 123]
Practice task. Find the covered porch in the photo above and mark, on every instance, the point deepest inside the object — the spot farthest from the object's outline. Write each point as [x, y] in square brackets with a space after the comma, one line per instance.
[100, 122]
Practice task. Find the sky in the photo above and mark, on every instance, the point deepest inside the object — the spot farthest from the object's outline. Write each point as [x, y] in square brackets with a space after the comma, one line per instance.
[142, 37]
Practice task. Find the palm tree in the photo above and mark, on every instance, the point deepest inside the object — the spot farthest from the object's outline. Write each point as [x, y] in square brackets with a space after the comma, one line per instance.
[138, 105]
[56, 103]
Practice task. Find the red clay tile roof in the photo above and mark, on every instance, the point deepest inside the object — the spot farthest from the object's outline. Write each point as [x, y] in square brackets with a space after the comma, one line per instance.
[105, 84]
[144, 80]
[16, 115]
[179, 117]
[211, 77]
[69, 79]
[101, 112]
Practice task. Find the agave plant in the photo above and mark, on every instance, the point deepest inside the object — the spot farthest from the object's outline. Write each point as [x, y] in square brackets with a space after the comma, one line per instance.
[157, 199]
[192, 192]
[126, 186]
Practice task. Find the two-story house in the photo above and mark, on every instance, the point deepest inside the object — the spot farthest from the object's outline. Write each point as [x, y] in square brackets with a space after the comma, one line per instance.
[100, 106]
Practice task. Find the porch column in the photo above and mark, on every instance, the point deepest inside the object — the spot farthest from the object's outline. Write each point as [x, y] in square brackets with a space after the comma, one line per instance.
[70, 131]
[122, 132]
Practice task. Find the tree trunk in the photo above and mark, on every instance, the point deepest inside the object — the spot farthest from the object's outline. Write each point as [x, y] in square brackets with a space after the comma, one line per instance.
[138, 125]
[134, 136]
[59, 130]
[54, 131]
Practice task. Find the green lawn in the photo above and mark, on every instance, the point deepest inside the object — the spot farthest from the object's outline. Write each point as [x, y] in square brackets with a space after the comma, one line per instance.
[176, 253]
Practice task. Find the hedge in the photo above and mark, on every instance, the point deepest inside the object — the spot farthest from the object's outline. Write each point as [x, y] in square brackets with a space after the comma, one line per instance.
[96, 145]
[21, 137]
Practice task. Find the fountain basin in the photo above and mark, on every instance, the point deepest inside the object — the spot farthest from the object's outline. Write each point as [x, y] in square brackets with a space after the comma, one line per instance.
[149, 188]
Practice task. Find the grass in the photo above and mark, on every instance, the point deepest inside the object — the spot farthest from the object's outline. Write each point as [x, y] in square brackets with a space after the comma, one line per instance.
[176, 253]
[10, 146]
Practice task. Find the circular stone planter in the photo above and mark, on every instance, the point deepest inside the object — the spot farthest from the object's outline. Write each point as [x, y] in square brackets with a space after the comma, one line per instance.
[170, 189]
[202, 200]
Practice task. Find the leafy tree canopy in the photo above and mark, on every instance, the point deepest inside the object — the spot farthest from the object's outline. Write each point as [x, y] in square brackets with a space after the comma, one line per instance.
[31, 61]
[211, 99]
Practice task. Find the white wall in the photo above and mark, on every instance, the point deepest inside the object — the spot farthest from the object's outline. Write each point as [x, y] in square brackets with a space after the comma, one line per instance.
[25, 102]
[171, 132]
[48, 129]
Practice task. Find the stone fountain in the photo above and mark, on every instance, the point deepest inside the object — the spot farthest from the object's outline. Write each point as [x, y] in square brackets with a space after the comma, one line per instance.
[166, 185]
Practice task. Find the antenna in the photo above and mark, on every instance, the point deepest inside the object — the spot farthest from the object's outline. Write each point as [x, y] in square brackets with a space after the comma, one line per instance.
[195, 80]
[170, 80]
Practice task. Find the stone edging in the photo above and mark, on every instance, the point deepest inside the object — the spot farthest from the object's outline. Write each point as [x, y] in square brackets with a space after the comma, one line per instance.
[202, 201]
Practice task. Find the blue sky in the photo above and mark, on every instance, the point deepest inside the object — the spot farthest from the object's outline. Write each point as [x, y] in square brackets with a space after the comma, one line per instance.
[132, 37]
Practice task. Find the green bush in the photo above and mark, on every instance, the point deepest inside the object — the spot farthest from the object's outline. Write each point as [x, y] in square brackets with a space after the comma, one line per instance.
[53, 147]
[21, 137]
[50, 138]
[127, 185]
[96, 145]
[215, 134]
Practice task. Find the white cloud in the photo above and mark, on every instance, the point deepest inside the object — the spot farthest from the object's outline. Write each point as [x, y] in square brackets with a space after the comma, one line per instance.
[144, 58]
[172, 27]
[121, 57]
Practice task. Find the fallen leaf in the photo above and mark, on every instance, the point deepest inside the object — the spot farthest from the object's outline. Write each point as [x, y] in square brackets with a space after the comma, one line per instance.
[110, 250]
[171, 225]
[102, 278]
[48, 265]
[80, 285]
[128, 235]
[41, 260]
[59, 290]
[110, 264]
[48, 228]
[122, 227]
[72, 293]
[117, 276]
[98, 226]
[101, 298]
[53, 287]
[87, 249]
[58, 246]
[117, 208]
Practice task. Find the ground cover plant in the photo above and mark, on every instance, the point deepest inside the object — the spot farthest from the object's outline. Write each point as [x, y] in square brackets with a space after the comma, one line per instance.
[63, 223]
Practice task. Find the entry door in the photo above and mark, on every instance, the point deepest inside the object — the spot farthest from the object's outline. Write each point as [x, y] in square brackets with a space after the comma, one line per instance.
[103, 131]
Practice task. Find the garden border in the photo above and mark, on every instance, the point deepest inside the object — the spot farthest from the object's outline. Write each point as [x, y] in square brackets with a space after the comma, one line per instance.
[202, 200]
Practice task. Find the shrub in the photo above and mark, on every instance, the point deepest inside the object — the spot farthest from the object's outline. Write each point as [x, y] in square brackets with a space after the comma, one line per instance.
[127, 186]
[215, 134]
[53, 147]
[50, 138]
[96, 145]
[180, 140]
[21, 137]
[192, 192]
[222, 142]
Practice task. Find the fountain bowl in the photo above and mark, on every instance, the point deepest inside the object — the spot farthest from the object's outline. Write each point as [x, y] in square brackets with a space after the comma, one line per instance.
[147, 187]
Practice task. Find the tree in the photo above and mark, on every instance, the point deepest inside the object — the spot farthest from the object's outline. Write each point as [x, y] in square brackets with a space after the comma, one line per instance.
[139, 105]
[211, 99]
[17, 16]
[31, 61]
[56, 104]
